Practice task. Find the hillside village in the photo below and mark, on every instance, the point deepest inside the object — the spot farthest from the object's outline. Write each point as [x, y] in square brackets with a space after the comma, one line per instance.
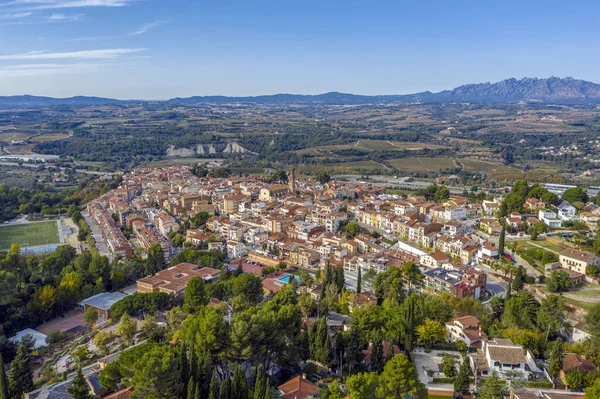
[341, 248]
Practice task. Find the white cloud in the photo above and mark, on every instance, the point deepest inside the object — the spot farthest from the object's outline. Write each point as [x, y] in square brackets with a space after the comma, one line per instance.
[84, 54]
[14, 16]
[54, 4]
[140, 31]
[48, 69]
[64, 17]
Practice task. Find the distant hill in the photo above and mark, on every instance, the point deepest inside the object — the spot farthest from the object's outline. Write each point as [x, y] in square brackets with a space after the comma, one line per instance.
[550, 90]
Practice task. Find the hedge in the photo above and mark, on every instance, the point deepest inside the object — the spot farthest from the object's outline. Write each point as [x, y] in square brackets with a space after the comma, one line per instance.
[538, 384]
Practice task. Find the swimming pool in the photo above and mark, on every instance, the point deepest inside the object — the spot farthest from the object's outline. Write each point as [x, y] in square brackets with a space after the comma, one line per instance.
[286, 279]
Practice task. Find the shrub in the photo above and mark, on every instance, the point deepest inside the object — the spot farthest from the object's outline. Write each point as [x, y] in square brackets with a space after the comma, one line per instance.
[56, 336]
[538, 384]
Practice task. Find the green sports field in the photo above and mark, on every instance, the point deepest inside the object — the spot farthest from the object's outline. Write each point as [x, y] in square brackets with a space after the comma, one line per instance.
[30, 234]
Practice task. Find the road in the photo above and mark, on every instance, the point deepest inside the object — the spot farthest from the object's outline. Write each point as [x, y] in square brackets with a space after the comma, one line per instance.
[100, 244]
[384, 181]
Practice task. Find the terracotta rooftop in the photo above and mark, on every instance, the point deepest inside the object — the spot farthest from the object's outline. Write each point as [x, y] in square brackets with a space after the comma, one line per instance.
[298, 388]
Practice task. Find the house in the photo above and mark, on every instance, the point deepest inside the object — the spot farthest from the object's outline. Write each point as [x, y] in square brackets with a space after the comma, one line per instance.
[175, 278]
[490, 226]
[298, 388]
[577, 261]
[39, 339]
[434, 260]
[102, 303]
[273, 192]
[574, 277]
[550, 218]
[466, 329]
[572, 361]
[535, 204]
[503, 357]
[566, 211]
[236, 249]
[386, 348]
[472, 284]
[364, 298]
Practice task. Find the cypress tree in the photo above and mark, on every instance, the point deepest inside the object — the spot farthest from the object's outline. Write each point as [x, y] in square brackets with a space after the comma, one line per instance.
[517, 283]
[555, 364]
[21, 374]
[501, 240]
[79, 388]
[359, 281]
[225, 391]
[191, 389]
[462, 381]
[259, 385]
[184, 367]
[3, 380]
[197, 396]
[354, 353]
[377, 359]
[213, 391]
[204, 373]
[267, 394]
[390, 352]
[239, 386]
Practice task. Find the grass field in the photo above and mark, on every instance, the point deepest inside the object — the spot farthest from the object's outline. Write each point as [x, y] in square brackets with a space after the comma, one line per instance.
[49, 137]
[422, 164]
[30, 234]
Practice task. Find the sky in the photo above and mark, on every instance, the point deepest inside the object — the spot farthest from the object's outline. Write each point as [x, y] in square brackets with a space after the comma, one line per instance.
[159, 49]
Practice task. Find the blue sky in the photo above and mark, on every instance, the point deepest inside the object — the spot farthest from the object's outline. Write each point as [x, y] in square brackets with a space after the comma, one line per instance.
[158, 49]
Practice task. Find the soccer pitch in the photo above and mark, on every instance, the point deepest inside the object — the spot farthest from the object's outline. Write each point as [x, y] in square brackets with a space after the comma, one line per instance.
[30, 234]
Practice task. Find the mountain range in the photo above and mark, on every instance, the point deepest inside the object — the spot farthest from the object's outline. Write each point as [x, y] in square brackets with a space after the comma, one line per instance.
[548, 90]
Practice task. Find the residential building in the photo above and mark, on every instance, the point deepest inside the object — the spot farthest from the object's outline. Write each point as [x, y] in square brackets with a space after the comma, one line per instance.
[577, 261]
[466, 329]
[175, 278]
[298, 388]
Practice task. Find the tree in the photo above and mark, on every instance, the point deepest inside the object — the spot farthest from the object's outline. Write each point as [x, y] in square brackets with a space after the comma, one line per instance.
[352, 229]
[90, 316]
[80, 354]
[151, 330]
[593, 391]
[4, 392]
[575, 194]
[307, 305]
[517, 282]
[550, 315]
[399, 379]
[430, 332]
[127, 329]
[191, 388]
[559, 281]
[377, 356]
[102, 340]
[213, 391]
[574, 378]
[363, 385]
[555, 363]
[442, 194]
[462, 382]
[79, 388]
[20, 377]
[260, 383]
[359, 281]
[354, 353]
[492, 388]
[412, 274]
[592, 270]
[195, 296]
[592, 318]
[448, 366]
[155, 261]
[501, 240]
[156, 374]
[323, 177]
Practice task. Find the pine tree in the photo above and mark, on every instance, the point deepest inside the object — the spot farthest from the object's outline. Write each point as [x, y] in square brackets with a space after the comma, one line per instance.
[3, 380]
[21, 374]
[377, 360]
[79, 388]
[191, 389]
[213, 392]
[259, 384]
[359, 281]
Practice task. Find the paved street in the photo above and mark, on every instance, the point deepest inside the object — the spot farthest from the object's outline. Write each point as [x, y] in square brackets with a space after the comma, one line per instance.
[100, 244]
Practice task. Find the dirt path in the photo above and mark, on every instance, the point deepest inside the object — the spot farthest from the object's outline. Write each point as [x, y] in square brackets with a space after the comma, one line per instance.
[541, 247]
[421, 162]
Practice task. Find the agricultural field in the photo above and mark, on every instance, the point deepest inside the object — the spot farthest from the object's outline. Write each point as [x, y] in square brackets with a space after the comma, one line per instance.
[423, 164]
[29, 234]
[49, 137]
[476, 165]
